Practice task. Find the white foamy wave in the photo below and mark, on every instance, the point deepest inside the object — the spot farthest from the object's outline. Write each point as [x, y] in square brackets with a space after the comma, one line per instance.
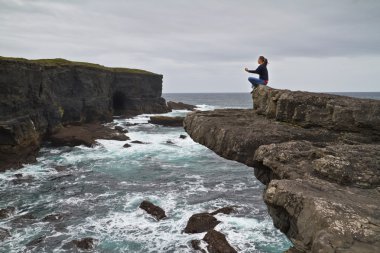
[204, 107]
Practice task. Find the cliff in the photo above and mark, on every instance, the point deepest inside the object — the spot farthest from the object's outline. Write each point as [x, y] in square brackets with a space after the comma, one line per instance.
[37, 97]
[319, 157]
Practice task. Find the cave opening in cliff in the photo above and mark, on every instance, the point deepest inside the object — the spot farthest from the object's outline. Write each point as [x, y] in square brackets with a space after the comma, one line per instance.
[119, 102]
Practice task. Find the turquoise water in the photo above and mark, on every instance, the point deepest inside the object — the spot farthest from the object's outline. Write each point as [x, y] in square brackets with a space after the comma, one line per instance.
[102, 187]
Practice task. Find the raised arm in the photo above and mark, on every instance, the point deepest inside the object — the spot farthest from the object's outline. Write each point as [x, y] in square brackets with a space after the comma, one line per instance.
[256, 71]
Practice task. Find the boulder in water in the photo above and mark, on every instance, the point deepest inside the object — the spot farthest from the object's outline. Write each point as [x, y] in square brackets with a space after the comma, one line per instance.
[225, 210]
[53, 217]
[21, 179]
[7, 212]
[217, 243]
[180, 106]
[139, 142]
[61, 168]
[121, 129]
[126, 145]
[201, 222]
[153, 210]
[36, 241]
[182, 136]
[4, 233]
[85, 243]
[24, 220]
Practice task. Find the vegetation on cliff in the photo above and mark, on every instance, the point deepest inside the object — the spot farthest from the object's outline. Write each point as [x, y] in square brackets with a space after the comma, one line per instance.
[64, 62]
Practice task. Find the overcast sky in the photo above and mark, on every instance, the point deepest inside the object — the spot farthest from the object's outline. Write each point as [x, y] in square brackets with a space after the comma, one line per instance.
[203, 45]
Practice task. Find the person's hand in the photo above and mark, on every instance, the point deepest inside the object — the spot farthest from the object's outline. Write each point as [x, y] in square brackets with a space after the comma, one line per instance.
[246, 69]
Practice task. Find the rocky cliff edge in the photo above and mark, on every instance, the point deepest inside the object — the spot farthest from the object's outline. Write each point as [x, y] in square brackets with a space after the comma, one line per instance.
[319, 157]
[37, 97]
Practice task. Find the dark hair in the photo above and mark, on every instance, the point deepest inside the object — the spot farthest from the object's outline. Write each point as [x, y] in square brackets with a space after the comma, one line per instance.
[265, 60]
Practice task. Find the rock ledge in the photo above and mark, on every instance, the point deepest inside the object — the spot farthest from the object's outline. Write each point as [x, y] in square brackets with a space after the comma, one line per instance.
[318, 156]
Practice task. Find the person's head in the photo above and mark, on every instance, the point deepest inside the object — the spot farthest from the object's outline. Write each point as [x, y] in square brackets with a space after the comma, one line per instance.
[262, 60]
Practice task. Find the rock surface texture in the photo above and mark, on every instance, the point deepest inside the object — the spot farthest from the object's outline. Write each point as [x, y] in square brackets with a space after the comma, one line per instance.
[153, 210]
[37, 97]
[319, 157]
[167, 121]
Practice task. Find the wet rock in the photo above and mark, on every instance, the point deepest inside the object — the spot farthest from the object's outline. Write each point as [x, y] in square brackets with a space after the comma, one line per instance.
[7, 212]
[18, 175]
[224, 210]
[167, 121]
[180, 106]
[153, 210]
[121, 129]
[53, 217]
[131, 124]
[60, 227]
[87, 243]
[201, 222]
[126, 145]
[182, 136]
[61, 177]
[36, 241]
[196, 244]
[217, 243]
[20, 179]
[85, 134]
[61, 168]
[170, 142]
[24, 220]
[4, 233]
[318, 156]
[139, 142]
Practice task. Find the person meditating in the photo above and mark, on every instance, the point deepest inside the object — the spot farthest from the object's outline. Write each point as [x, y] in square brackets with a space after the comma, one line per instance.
[262, 71]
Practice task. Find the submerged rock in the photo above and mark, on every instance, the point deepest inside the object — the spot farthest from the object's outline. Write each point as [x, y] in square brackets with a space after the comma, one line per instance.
[21, 179]
[87, 243]
[36, 241]
[224, 210]
[201, 222]
[126, 145]
[18, 175]
[4, 233]
[182, 136]
[121, 129]
[167, 121]
[217, 243]
[61, 168]
[153, 210]
[53, 217]
[318, 156]
[139, 142]
[7, 212]
[24, 220]
[180, 106]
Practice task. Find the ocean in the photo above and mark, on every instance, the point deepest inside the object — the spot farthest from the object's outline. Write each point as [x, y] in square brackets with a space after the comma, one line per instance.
[99, 192]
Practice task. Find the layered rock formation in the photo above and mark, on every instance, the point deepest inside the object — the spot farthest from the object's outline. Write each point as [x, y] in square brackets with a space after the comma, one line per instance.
[319, 157]
[38, 96]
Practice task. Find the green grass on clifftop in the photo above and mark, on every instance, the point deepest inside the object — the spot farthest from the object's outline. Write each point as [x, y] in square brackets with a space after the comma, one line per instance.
[64, 62]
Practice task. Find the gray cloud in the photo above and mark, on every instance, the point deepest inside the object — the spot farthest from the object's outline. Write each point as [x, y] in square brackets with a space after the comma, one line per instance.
[203, 45]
